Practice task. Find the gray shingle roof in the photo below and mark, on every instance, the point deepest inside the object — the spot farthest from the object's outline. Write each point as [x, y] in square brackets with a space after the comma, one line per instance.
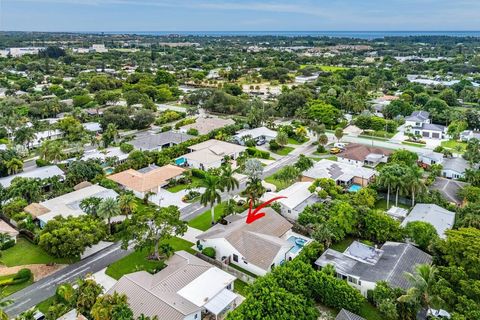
[457, 164]
[449, 188]
[440, 218]
[433, 127]
[156, 141]
[397, 258]
[418, 116]
[347, 315]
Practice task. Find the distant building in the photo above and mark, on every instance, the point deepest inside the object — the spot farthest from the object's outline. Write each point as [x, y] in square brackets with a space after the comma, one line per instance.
[342, 173]
[469, 134]
[159, 141]
[258, 134]
[205, 125]
[363, 266]
[184, 290]
[440, 218]
[360, 155]
[454, 168]
[39, 172]
[100, 48]
[449, 189]
[421, 125]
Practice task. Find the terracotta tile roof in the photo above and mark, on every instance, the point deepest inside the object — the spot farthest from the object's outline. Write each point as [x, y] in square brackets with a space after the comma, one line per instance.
[359, 152]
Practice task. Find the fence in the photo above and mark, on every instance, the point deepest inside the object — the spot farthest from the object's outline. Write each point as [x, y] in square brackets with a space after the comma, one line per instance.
[234, 272]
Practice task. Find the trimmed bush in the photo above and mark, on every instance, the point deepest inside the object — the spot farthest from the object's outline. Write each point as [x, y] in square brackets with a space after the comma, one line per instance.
[41, 163]
[126, 147]
[209, 252]
[23, 274]
[253, 152]
[7, 244]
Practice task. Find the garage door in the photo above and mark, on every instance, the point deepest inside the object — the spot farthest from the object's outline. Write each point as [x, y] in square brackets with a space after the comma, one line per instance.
[435, 135]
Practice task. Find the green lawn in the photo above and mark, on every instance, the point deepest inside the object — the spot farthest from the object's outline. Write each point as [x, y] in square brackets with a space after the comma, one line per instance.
[332, 158]
[45, 304]
[25, 252]
[279, 184]
[234, 266]
[382, 203]
[240, 287]
[204, 221]
[180, 187]
[295, 142]
[453, 144]
[138, 260]
[8, 290]
[369, 312]
[413, 144]
[283, 151]
[342, 245]
[324, 67]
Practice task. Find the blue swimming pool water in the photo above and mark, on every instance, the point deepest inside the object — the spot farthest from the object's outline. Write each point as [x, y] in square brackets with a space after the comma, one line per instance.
[354, 188]
[297, 242]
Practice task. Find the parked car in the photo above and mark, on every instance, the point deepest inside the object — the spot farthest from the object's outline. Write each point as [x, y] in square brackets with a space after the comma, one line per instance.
[340, 145]
[335, 150]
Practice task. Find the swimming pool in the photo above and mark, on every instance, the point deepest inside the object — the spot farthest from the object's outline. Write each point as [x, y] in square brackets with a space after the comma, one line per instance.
[354, 188]
[297, 242]
[109, 170]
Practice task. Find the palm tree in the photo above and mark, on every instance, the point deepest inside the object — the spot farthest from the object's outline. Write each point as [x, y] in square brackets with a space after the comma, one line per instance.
[14, 165]
[323, 235]
[52, 150]
[323, 139]
[282, 138]
[3, 304]
[255, 189]
[24, 136]
[127, 203]
[211, 195]
[110, 134]
[414, 182]
[108, 209]
[229, 182]
[147, 196]
[422, 283]
[90, 205]
[27, 315]
[388, 179]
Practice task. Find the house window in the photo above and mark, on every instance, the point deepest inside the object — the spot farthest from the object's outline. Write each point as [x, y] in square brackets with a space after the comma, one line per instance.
[196, 316]
[352, 280]
[235, 258]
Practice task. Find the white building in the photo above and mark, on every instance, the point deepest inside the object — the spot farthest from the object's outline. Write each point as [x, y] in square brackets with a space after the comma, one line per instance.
[419, 124]
[454, 168]
[256, 247]
[440, 218]
[187, 288]
[258, 134]
[297, 198]
[42, 136]
[342, 173]
[40, 173]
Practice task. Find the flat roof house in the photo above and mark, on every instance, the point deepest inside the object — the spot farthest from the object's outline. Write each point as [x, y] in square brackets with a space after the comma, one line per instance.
[149, 179]
[257, 246]
[183, 290]
[454, 168]
[40, 172]
[205, 125]
[159, 141]
[210, 154]
[298, 197]
[257, 134]
[67, 205]
[440, 218]
[360, 155]
[342, 173]
[363, 266]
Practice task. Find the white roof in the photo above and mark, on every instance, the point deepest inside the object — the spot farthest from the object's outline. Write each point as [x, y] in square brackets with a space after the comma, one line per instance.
[257, 132]
[40, 172]
[220, 301]
[296, 194]
[69, 204]
[338, 171]
[440, 218]
[206, 286]
[106, 153]
[92, 126]
[397, 212]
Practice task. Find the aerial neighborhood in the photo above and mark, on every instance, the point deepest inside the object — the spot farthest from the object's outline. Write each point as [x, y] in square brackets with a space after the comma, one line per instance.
[183, 177]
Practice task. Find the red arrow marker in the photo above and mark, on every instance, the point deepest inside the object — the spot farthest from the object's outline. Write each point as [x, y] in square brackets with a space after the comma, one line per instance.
[255, 214]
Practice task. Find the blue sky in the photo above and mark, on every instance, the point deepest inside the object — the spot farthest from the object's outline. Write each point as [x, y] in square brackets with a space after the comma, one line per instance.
[246, 15]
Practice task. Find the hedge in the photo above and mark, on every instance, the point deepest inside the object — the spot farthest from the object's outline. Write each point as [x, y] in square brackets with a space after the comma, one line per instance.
[7, 244]
[23, 275]
[209, 252]
[254, 152]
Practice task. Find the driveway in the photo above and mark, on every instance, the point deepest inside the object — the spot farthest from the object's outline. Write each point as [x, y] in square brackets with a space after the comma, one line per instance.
[166, 198]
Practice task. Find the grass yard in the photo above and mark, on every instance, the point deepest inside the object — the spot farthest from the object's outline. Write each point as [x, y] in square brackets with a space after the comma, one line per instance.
[369, 312]
[382, 203]
[240, 287]
[295, 142]
[234, 266]
[342, 245]
[25, 252]
[180, 187]
[453, 145]
[9, 289]
[283, 151]
[138, 260]
[332, 158]
[413, 144]
[324, 67]
[279, 184]
[45, 304]
[204, 221]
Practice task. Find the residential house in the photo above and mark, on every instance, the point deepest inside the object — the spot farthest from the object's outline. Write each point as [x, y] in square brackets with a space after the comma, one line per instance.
[255, 247]
[347, 315]
[149, 179]
[186, 289]
[343, 173]
[430, 158]
[210, 154]
[39, 172]
[297, 198]
[449, 189]
[469, 134]
[42, 136]
[94, 127]
[205, 125]
[158, 141]
[261, 134]
[72, 315]
[305, 79]
[454, 168]
[419, 124]
[67, 205]
[440, 218]
[5, 228]
[105, 154]
[363, 266]
[360, 155]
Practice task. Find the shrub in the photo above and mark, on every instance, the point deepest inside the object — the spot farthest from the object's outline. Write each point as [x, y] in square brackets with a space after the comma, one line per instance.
[253, 152]
[198, 173]
[209, 252]
[7, 244]
[126, 147]
[166, 128]
[41, 163]
[23, 274]
[192, 131]
[184, 122]
[321, 149]
[274, 146]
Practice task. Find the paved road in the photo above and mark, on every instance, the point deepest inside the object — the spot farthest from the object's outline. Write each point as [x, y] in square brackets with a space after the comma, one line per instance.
[45, 288]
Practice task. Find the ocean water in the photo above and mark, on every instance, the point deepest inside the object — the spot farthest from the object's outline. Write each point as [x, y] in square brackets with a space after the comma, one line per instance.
[334, 34]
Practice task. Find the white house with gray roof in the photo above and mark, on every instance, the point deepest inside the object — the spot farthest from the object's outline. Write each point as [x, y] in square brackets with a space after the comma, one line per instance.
[39, 172]
[419, 124]
[256, 247]
[158, 141]
[441, 219]
[363, 266]
[185, 289]
[454, 168]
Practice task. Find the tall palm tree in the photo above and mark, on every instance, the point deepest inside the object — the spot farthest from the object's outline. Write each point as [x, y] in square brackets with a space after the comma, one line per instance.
[211, 195]
[127, 203]
[108, 209]
[414, 182]
[24, 136]
[228, 181]
[90, 205]
[255, 189]
[14, 165]
[422, 282]
[390, 177]
[52, 150]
